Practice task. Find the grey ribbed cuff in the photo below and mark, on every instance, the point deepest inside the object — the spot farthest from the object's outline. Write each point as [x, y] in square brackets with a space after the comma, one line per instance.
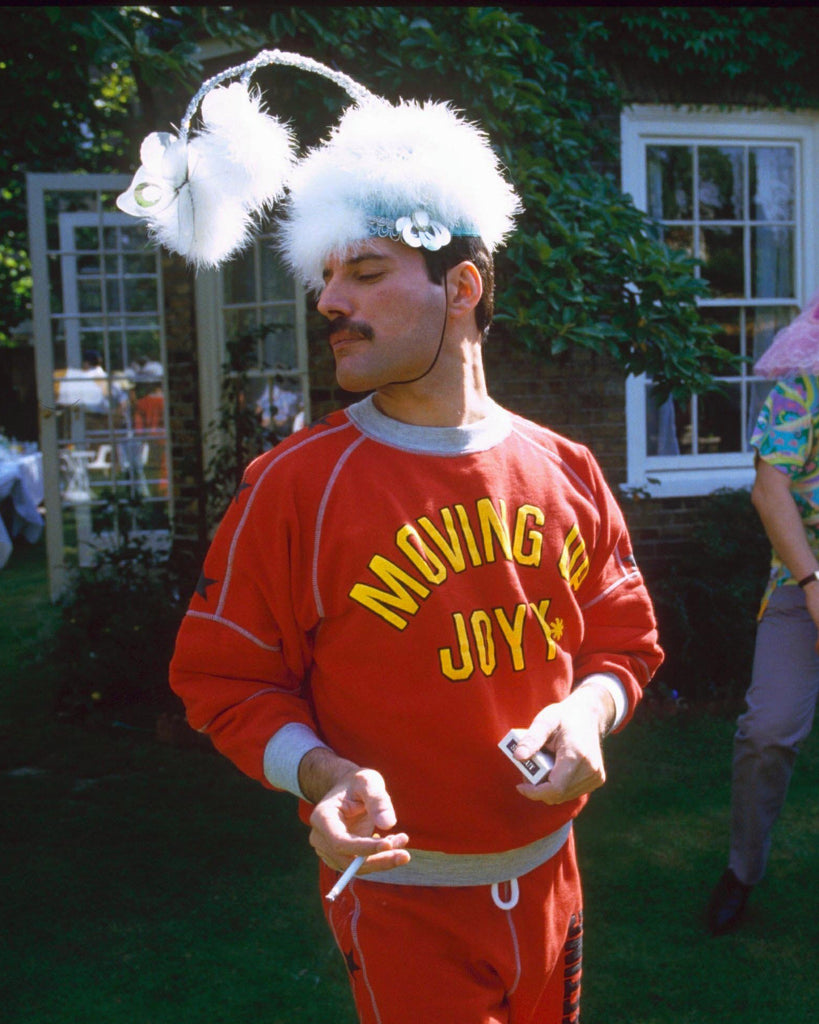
[283, 754]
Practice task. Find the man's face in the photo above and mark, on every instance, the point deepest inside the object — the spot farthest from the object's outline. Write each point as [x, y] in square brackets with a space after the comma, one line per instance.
[385, 315]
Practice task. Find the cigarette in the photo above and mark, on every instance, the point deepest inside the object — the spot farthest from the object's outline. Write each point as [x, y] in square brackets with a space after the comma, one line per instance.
[343, 882]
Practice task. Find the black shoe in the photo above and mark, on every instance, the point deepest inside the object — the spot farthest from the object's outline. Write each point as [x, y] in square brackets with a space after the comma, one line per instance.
[727, 903]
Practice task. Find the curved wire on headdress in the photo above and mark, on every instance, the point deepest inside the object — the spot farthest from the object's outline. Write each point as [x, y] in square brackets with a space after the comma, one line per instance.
[200, 193]
[263, 59]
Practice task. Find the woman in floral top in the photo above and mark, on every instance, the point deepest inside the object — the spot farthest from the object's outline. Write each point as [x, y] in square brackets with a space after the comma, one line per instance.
[781, 699]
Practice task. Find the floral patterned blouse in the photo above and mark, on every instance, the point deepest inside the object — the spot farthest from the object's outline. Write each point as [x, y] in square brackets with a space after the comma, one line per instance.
[787, 436]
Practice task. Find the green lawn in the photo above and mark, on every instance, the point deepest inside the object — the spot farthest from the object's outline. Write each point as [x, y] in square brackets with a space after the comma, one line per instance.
[148, 884]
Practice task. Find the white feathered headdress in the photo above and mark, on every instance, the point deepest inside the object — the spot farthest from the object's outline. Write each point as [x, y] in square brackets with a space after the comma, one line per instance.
[415, 172]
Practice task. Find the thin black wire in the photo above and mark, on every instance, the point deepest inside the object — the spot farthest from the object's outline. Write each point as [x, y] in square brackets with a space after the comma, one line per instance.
[431, 366]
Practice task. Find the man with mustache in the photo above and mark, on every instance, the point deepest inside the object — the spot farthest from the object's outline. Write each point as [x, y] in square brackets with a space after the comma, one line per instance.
[399, 586]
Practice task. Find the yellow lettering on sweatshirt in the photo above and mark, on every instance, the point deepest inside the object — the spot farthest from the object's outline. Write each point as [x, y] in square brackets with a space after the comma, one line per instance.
[574, 562]
[399, 584]
[477, 639]
[465, 666]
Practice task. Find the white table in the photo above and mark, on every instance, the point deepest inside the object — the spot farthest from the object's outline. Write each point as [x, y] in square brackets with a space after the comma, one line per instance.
[21, 479]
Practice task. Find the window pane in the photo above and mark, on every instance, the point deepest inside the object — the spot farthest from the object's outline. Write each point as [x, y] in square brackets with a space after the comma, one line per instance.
[112, 296]
[763, 324]
[89, 296]
[140, 264]
[719, 420]
[772, 262]
[721, 249]
[664, 422]
[773, 182]
[729, 322]
[135, 240]
[58, 345]
[143, 346]
[279, 348]
[116, 347]
[239, 277]
[92, 338]
[721, 192]
[140, 295]
[116, 363]
[238, 322]
[670, 172]
[87, 265]
[277, 284]
[55, 281]
[679, 239]
[86, 238]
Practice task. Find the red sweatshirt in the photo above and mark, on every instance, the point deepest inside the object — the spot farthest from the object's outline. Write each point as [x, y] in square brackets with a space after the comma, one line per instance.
[411, 594]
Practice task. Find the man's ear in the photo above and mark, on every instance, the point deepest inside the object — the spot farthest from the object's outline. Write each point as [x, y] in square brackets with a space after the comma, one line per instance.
[464, 288]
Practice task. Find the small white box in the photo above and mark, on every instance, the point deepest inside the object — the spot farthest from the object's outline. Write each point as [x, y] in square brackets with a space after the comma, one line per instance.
[535, 768]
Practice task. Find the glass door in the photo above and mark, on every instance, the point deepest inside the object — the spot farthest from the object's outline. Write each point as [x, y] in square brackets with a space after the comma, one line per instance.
[100, 346]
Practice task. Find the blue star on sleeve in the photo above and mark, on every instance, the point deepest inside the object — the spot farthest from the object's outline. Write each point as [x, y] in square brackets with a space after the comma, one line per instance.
[243, 486]
[202, 585]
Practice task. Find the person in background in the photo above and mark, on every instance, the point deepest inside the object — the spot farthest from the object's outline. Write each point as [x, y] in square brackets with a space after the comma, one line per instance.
[149, 423]
[781, 699]
[278, 410]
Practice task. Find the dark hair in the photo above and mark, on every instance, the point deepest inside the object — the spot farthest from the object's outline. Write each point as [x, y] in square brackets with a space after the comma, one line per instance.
[471, 248]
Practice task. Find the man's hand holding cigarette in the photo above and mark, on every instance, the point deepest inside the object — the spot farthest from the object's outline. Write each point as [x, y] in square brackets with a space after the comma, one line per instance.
[352, 813]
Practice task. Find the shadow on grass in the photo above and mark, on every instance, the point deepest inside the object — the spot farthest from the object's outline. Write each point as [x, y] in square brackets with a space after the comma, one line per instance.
[142, 882]
[652, 844]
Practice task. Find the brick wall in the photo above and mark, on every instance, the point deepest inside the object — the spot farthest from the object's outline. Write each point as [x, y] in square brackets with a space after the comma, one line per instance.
[580, 395]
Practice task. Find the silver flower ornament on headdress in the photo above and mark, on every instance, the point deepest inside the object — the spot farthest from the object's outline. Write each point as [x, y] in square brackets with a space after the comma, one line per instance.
[418, 230]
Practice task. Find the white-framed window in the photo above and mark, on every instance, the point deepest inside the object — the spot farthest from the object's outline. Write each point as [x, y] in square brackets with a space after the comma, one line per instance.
[737, 189]
[254, 293]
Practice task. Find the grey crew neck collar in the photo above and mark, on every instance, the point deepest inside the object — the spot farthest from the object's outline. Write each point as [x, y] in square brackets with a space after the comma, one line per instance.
[475, 437]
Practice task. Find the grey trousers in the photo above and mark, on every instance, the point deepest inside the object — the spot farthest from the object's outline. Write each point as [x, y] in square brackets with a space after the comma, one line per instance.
[781, 702]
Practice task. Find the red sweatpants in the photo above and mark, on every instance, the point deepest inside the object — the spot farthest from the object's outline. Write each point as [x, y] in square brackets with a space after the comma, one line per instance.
[453, 956]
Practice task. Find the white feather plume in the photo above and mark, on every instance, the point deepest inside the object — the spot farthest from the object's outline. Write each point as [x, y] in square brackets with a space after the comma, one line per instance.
[385, 161]
[200, 198]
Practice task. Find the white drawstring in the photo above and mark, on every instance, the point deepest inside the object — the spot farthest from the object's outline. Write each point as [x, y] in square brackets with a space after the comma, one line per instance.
[514, 894]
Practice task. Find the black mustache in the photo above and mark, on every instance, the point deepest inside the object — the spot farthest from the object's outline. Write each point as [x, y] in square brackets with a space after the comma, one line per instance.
[344, 323]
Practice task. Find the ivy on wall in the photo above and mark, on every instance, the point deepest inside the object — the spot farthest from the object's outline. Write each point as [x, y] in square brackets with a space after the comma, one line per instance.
[761, 56]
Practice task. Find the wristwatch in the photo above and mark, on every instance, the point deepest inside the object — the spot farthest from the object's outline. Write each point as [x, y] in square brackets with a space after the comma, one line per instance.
[809, 579]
